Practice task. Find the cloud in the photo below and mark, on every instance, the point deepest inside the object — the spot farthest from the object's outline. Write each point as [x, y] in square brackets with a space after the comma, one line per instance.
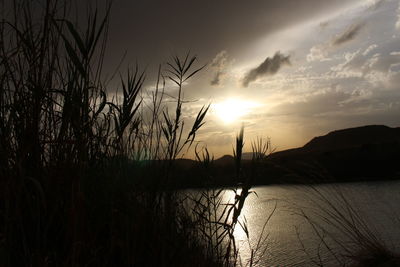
[394, 81]
[353, 66]
[349, 34]
[374, 69]
[219, 64]
[270, 66]
[358, 63]
[312, 104]
[373, 5]
[398, 18]
[324, 24]
[320, 52]
[369, 49]
[217, 78]
[383, 63]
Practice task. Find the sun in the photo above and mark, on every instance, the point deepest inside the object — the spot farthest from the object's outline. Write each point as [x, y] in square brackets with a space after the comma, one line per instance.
[231, 110]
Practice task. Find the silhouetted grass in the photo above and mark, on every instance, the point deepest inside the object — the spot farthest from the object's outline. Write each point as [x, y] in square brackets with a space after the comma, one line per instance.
[345, 236]
[85, 173]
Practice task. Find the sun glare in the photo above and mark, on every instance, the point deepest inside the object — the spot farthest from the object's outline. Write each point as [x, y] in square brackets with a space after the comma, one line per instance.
[231, 110]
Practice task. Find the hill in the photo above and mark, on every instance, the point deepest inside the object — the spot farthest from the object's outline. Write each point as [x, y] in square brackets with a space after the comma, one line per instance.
[355, 154]
[362, 153]
[347, 138]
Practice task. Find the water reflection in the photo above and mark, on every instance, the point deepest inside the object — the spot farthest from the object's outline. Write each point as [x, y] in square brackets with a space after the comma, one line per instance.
[290, 237]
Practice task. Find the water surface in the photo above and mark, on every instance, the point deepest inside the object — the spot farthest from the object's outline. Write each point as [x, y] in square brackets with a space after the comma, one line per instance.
[292, 241]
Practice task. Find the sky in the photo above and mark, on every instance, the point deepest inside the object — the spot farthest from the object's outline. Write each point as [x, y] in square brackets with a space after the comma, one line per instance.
[287, 70]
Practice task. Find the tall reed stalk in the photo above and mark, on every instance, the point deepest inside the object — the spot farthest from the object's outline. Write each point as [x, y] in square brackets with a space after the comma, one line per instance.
[61, 133]
[86, 173]
[345, 237]
[213, 215]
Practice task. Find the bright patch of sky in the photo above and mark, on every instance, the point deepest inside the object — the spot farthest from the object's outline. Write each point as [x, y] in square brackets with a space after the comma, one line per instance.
[344, 71]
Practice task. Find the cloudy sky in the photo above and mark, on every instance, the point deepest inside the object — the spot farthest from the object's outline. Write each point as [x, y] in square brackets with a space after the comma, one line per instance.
[287, 69]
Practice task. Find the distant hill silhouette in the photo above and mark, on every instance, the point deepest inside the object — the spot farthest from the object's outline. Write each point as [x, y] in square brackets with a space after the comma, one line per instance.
[354, 137]
[362, 153]
[347, 138]
[355, 154]
[224, 160]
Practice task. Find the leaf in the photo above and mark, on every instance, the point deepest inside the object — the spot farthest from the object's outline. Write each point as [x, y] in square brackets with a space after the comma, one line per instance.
[165, 131]
[175, 69]
[135, 110]
[178, 63]
[103, 23]
[102, 105]
[189, 65]
[112, 105]
[73, 56]
[77, 37]
[194, 72]
[172, 79]
[92, 32]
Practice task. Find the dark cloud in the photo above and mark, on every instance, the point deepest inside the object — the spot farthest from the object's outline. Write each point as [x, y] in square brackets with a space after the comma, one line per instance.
[217, 78]
[219, 65]
[349, 34]
[324, 24]
[270, 66]
[320, 51]
[153, 30]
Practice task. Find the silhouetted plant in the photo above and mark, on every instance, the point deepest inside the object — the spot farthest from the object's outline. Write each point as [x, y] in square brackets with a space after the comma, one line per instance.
[61, 133]
[86, 173]
[343, 232]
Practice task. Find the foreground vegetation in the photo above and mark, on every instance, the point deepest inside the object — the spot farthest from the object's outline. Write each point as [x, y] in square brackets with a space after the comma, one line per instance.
[86, 172]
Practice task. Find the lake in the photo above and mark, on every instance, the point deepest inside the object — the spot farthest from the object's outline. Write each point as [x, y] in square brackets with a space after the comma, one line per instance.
[292, 241]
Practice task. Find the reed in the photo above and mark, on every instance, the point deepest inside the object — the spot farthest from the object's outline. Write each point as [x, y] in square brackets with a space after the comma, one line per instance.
[86, 173]
[215, 214]
[345, 236]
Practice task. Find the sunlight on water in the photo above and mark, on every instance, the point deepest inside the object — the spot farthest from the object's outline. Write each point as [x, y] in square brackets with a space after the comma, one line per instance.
[255, 239]
[286, 231]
